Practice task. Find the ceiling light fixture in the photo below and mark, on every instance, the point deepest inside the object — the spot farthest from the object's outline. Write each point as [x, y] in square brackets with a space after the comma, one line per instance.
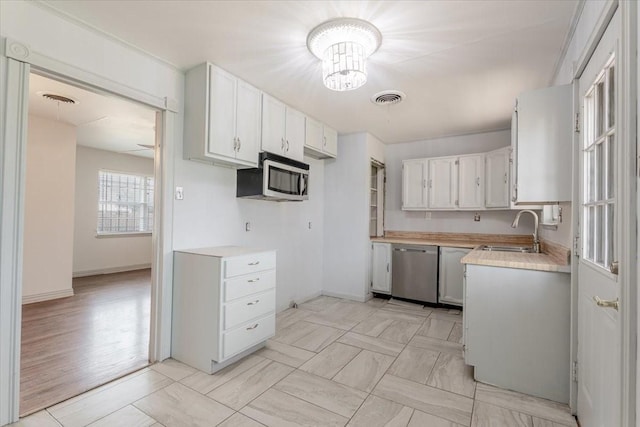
[343, 45]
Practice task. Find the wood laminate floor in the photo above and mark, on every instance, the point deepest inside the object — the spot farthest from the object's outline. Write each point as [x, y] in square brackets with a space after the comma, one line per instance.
[332, 363]
[71, 345]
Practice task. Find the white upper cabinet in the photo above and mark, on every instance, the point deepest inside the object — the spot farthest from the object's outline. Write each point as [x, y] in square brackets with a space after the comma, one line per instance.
[321, 141]
[314, 135]
[247, 121]
[222, 118]
[294, 134]
[330, 141]
[542, 139]
[443, 183]
[471, 182]
[497, 178]
[283, 130]
[414, 184]
[273, 125]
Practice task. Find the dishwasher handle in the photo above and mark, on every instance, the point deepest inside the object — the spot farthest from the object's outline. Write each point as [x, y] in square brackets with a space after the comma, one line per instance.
[424, 251]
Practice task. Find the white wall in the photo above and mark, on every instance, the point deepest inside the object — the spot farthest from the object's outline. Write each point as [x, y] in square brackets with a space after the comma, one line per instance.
[211, 215]
[92, 255]
[346, 212]
[48, 222]
[455, 222]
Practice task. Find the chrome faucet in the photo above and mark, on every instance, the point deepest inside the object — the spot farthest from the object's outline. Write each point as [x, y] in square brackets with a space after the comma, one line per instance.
[536, 241]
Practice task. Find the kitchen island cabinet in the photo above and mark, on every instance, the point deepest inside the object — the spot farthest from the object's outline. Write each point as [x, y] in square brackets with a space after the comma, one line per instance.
[224, 303]
[517, 329]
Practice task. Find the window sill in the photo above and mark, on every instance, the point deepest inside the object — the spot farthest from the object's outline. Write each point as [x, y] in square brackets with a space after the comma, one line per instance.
[127, 234]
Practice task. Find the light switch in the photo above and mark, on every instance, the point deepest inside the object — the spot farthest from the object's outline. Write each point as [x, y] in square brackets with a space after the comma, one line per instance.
[179, 193]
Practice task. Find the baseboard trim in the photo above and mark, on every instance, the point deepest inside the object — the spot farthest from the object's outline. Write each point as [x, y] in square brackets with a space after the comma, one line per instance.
[46, 296]
[363, 298]
[299, 301]
[111, 270]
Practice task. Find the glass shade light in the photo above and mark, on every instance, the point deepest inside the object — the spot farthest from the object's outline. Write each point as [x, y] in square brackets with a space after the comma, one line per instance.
[343, 45]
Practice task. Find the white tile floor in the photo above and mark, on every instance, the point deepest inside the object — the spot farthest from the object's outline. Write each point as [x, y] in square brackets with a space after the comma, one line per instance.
[332, 363]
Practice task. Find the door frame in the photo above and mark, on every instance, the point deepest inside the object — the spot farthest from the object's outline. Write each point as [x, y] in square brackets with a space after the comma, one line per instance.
[17, 60]
[628, 66]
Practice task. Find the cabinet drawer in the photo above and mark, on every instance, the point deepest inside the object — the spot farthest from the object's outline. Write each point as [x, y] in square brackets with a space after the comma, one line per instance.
[247, 335]
[239, 287]
[249, 308]
[246, 264]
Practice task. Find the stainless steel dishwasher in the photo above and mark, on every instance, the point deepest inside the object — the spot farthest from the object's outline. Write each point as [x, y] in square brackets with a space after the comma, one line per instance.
[414, 273]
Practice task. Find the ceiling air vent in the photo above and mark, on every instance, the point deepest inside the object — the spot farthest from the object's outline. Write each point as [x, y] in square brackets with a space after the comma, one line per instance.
[57, 98]
[388, 97]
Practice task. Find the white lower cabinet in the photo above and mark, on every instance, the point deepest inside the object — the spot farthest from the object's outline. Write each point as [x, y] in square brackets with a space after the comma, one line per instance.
[381, 268]
[450, 283]
[517, 329]
[224, 302]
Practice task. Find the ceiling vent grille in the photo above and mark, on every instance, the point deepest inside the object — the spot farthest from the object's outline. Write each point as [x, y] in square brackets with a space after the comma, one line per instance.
[388, 97]
[58, 98]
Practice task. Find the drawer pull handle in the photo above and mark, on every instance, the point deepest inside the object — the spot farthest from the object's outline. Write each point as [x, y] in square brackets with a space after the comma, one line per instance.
[252, 327]
[254, 263]
[254, 280]
[253, 302]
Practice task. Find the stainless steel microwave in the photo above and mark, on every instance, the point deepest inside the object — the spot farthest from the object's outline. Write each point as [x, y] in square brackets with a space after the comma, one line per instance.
[276, 178]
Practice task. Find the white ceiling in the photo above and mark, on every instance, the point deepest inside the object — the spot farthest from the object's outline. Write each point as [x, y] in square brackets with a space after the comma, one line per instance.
[460, 63]
[104, 122]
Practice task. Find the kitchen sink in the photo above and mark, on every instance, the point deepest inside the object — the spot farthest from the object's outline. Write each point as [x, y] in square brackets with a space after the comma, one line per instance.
[521, 249]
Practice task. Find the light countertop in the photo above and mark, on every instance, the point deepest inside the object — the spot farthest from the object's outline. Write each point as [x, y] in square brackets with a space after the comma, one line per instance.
[541, 262]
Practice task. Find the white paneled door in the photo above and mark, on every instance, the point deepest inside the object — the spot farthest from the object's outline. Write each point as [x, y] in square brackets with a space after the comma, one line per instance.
[599, 321]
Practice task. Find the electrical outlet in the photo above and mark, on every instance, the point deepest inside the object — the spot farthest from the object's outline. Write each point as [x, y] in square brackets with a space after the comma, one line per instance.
[476, 217]
[179, 193]
[247, 226]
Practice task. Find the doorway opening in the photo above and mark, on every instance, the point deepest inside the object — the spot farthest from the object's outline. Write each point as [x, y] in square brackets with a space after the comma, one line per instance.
[87, 258]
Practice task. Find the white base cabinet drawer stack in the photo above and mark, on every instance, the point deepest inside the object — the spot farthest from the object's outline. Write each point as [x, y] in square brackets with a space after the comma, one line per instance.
[224, 302]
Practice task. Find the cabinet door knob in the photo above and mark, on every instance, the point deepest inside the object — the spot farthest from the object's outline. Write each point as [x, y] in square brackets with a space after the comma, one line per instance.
[505, 177]
[478, 181]
[254, 263]
[253, 302]
[282, 145]
[287, 145]
[324, 139]
[254, 280]
[252, 327]
[239, 144]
